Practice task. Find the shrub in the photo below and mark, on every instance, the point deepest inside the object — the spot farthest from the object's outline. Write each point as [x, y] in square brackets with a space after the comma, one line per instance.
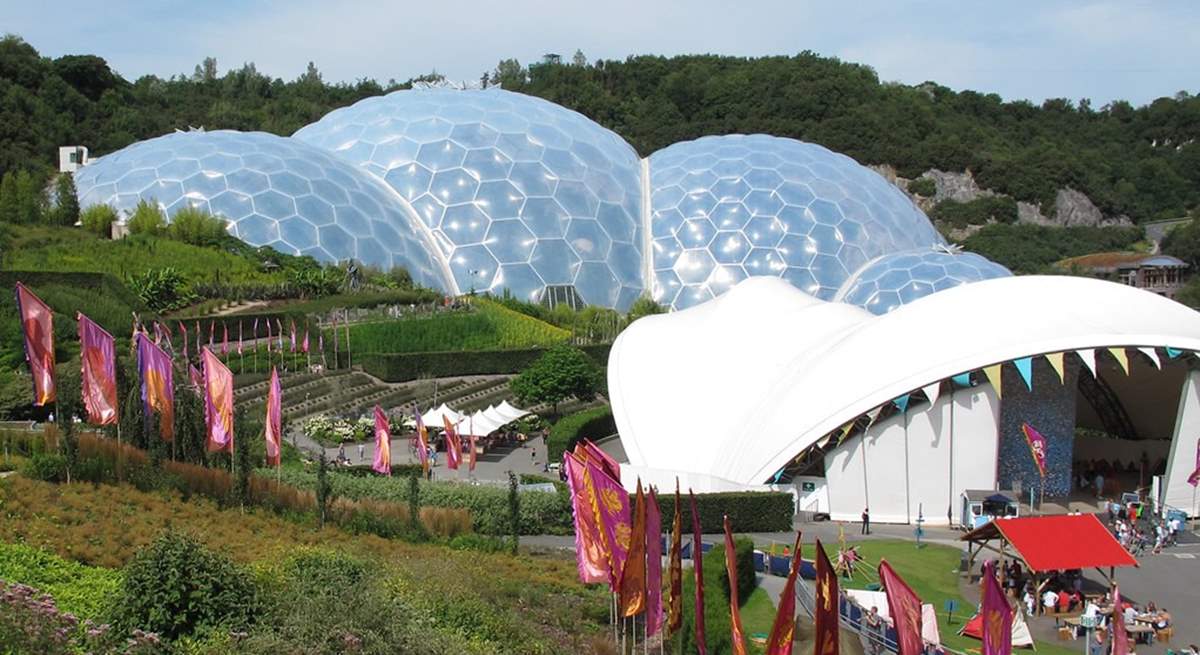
[66, 201]
[98, 219]
[178, 587]
[589, 424]
[922, 186]
[85, 591]
[197, 227]
[716, 596]
[147, 218]
[47, 467]
[561, 372]
[748, 511]
[980, 211]
[479, 542]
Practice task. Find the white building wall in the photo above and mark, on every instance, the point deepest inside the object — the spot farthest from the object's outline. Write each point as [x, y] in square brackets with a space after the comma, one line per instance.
[929, 438]
[846, 480]
[887, 469]
[975, 419]
[1176, 490]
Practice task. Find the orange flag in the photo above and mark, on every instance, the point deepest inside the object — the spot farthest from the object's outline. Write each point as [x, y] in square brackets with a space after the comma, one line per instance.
[825, 616]
[98, 372]
[675, 573]
[633, 574]
[218, 403]
[784, 629]
[37, 323]
[735, 615]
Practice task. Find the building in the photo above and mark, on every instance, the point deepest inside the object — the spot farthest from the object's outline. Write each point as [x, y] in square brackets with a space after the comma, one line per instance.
[902, 412]
[1161, 274]
[71, 158]
[492, 191]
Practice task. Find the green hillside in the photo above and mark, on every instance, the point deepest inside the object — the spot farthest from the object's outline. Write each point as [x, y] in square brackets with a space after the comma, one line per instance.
[485, 326]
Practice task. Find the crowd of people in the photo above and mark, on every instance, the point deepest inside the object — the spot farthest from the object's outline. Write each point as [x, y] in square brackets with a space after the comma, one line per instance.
[1141, 532]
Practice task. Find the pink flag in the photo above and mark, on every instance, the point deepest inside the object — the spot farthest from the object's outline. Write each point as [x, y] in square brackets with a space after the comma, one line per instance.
[254, 335]
[654, 619]
[196, 378]
[610, 465]
[383, 444]
[292, 334]
[268, 335]
[1120, 638]
[279, 335]
[273, 431]
[198, 342]
[37, 323]
[98, 358]
[158, 384]
[453, 445]
[218, 403]
[1194, 478]
[905, 608]
[1037, 446]
[471, 454]
[590, 559]
[212, 327]
[304, 344]
[422, 442]
[997, 615]
[224, 339]
[613, 516]
[183, 332]
[239, 350]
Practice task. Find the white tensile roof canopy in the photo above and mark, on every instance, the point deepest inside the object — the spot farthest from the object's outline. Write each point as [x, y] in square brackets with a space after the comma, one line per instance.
[752, 378]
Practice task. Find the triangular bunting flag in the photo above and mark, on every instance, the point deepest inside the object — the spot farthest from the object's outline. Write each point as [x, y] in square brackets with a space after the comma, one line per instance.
[845, 431]
[902, 402]
[1152, 354]
[1121, 357]
[1088, 355]
[1025, 368]
[873, 415]
[993, 375]
[1056, 362]
[932, 391]
[1173, 352]
[962, 379]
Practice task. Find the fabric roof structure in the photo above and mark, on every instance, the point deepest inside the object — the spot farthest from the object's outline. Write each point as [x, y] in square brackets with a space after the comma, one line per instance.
[510, 412]
[1021, 638]
[1057, 543]
[433, 417]
[478, 424]
[758, 375]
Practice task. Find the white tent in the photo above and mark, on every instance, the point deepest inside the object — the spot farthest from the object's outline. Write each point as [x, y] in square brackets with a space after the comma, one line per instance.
[878, 599]
[499, 418]
[478, 425]
[512, 413]
[433, 417]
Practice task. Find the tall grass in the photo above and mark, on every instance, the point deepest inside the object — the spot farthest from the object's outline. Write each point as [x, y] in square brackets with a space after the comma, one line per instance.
[487, 325]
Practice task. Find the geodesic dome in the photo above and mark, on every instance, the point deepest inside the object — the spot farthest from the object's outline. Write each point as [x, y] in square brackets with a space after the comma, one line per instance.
[900, 278]
[725, 208]
[274, 191]
[519, 193]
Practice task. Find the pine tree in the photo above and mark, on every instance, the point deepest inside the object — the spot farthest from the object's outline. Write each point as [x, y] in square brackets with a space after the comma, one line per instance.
[66, 201]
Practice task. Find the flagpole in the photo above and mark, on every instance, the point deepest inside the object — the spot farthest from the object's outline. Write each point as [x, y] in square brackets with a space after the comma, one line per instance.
[118, 449]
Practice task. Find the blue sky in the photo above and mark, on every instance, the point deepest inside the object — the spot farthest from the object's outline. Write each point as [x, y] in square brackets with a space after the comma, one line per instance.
[1099, 50]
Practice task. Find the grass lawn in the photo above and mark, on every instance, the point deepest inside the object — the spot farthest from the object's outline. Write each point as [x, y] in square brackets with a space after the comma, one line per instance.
[486, 326]
[930, 571]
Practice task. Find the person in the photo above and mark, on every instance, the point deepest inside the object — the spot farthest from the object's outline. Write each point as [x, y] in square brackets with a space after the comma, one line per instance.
[1030, 601]
[360, 452]
[1099, 484]
[866, 520]
[1097, 645]
[341, 452]
[1064, 601]
[874, 624]
[1049, 601]
[1163, 620]
[1130, 613]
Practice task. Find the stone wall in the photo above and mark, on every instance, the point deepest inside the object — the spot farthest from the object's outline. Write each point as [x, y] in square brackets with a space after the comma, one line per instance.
[1049, 409]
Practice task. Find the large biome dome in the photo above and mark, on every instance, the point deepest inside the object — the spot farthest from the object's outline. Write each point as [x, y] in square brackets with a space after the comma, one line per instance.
[274, 191]
[900, 278]
[520, 193]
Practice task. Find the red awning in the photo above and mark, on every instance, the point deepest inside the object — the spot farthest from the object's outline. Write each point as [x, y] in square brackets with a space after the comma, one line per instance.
[1052, 543]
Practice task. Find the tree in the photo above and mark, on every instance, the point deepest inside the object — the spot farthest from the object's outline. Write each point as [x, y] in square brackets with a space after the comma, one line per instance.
[197, 227]
[311, 75]
[644, 306]
[561, 372]
[206, 71]
[147, 219]
[22, 200]
[1184, 242]
[579, 59]
[509, 74]
[66, 201]
[98, 220]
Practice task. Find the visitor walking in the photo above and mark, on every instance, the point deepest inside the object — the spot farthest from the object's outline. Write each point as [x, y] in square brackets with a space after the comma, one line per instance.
[866, 520]
[360, 452]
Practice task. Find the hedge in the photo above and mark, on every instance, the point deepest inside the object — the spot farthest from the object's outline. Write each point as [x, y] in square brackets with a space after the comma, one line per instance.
[403, 367]
[748, 511]
[591, 424]
[716, 596]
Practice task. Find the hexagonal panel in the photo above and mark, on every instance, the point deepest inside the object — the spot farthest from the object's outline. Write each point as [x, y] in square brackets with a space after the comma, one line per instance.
[893, 280]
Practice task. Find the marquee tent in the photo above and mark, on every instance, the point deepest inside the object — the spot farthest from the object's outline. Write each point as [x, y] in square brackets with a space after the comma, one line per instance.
[1054, 543]
[1021, 638]
[433, 417]
[512, 413]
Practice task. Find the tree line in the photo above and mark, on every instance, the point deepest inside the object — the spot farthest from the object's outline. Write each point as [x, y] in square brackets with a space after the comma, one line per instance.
[1143, 162]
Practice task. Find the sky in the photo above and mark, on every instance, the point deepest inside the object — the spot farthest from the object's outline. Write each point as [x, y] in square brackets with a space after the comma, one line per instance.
[1131, 50]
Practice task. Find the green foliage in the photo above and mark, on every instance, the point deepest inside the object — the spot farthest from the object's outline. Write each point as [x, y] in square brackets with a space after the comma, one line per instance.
[980, 211]
[98, 219]
[47, 467]
[402, 367]
[922, 186]
[147, 219]
[1034, 248]
[197, 227]
[748, 511]
[22, 199]
[591, 424]
[177, 587]
[1190, 293]
[644, 306]
[85, 591]
[716, 596]
[160, 289]
[323, 488]
[485, 326]
[563, 371]
[1184, 242]
[66, 202]
[514, 512]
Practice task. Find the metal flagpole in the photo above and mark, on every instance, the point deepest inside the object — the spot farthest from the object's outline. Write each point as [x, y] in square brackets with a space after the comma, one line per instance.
[118, 449]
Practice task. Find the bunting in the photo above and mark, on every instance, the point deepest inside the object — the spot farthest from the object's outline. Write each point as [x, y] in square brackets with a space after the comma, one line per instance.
[1173, 352]
[1056, 362]
[675, 573]
[905, 608]
[590, 559]
[1121, 356]
[1025, 368]
[654, 609]
[383, 444]
[158, 385]
[962, 379]
[901, 402]
[932, 391]
[37, 325]
[783, 631]
[632, 591]
[737, 634]
[98, 363]
[825, 614]
[1088, 355]
[698, 574]
[218, 403]
[1152, 355]
[993, 374]
[273, 427]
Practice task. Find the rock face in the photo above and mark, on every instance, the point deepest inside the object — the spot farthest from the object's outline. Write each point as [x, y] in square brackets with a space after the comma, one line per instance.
[1071, 208]
[959, 187]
